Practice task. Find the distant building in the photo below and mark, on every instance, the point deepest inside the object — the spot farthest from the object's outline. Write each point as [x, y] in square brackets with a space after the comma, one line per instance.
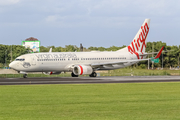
[32, 43]
[31, 39]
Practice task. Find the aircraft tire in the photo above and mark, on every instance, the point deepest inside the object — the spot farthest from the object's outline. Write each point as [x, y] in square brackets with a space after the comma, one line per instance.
[25, 76]
[73, 75]
[94, 74]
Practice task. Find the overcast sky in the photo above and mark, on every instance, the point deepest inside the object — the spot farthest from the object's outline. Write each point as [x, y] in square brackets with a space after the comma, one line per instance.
[90, 22]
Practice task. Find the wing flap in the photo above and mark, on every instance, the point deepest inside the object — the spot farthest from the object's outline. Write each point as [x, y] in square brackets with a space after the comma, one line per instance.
[144, 54]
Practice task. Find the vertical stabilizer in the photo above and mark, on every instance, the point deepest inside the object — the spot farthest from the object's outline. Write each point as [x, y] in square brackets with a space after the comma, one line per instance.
[139, 42]
[138, 45]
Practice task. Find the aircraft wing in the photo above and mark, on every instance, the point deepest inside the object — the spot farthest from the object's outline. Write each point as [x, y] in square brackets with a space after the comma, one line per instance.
[126, 61]
[116, 63]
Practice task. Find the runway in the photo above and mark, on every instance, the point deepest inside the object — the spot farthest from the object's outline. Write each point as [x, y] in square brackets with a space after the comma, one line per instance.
[88, 80]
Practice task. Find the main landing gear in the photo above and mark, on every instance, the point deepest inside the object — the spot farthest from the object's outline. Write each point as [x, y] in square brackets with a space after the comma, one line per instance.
[25, 76]
[94, 74]
[73, 75]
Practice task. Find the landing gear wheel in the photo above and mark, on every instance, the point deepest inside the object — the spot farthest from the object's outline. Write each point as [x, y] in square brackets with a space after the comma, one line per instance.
[25, 76]
[94, 74]
[73, 75]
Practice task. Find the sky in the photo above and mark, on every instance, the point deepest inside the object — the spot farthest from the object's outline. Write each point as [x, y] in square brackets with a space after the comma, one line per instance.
[97, 23]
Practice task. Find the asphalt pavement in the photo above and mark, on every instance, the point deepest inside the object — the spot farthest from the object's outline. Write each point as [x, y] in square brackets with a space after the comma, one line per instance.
[88, 80]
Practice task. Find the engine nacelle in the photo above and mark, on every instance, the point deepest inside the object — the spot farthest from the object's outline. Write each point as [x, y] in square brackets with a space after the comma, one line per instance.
[52, 73]
[82, 70]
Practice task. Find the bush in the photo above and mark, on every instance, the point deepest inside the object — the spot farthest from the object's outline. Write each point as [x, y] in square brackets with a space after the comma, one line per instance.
[1, 65]
[143, 66]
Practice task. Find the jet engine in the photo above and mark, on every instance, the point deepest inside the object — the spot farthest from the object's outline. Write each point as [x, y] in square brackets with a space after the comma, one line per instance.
[52, 73]
[82, 70]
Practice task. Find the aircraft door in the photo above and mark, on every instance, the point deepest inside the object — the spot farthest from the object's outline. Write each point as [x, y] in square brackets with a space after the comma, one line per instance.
[33, 60]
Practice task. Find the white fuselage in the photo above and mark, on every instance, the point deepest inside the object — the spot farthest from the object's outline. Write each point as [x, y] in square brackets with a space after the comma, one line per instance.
[64, 61]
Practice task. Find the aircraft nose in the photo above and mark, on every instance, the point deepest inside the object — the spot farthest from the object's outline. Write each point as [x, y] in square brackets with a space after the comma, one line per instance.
[11, 65]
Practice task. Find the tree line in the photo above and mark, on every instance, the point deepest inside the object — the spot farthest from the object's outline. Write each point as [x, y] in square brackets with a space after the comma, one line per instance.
[170, 55]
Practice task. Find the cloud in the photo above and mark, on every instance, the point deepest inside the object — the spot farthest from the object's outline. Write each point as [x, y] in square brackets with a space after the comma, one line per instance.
[81, 21]
[108, 17]
[51, 18]
[9, 2]
[88, 13]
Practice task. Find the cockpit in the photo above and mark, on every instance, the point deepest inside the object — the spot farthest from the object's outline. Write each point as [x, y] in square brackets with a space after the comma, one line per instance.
[18, 59]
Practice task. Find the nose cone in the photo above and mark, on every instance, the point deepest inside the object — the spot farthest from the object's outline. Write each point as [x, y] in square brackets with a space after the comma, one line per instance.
[12, 65]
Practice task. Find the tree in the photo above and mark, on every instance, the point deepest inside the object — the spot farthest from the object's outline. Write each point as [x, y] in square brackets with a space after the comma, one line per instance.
[170, 58]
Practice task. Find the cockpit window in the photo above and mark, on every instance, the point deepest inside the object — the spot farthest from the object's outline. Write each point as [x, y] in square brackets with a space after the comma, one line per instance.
[19, 59]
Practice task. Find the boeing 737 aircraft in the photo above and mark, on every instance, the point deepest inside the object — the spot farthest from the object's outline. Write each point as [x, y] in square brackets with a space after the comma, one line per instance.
[85, 63]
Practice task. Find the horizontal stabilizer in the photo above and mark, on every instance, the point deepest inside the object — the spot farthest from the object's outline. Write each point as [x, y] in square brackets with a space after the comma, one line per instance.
[144, 54]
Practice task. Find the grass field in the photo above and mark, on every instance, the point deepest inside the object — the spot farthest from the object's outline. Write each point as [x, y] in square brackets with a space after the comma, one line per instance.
[136, 101]
[118, 72]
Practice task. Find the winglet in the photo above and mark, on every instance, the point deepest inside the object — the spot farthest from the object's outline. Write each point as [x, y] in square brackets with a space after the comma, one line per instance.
[158, 55]
[50, 50]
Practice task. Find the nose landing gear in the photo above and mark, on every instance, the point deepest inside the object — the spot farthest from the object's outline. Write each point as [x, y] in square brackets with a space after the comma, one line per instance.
[25, 76]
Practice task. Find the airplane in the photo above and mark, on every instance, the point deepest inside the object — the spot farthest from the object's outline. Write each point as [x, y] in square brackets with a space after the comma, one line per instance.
[85, 63]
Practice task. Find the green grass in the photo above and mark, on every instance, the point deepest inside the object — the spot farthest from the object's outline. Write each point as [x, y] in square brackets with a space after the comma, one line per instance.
[140, 72]
[33, 75]
[139, 101]
[118, 72]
